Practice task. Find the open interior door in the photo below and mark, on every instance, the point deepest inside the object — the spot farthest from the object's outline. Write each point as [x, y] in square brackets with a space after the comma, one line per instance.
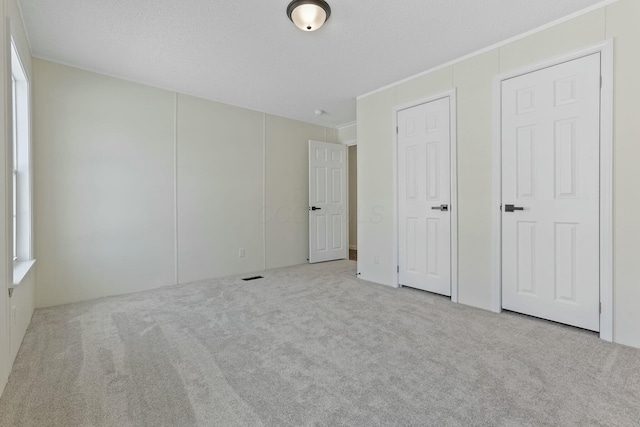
[327, 201]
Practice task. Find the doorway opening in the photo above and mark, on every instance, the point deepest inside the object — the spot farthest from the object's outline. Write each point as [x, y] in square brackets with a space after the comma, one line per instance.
[353, 201]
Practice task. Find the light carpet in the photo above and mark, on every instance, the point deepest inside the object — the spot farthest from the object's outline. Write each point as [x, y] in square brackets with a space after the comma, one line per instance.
[311, 346]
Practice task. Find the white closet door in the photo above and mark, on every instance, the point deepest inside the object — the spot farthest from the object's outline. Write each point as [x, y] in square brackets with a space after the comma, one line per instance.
[550, 193]
[424, 192]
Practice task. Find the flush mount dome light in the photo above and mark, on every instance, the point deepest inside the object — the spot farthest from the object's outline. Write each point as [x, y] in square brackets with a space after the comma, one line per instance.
[308, 15]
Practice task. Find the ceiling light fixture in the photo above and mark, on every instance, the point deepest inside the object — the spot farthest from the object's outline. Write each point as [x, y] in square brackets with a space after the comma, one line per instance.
[308, 15]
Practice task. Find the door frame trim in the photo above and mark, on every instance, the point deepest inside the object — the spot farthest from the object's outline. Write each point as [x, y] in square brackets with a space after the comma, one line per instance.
[453, 166]
[606, 50]
[349, 144]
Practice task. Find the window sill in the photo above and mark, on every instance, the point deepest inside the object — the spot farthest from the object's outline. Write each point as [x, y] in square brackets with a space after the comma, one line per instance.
[20, 270]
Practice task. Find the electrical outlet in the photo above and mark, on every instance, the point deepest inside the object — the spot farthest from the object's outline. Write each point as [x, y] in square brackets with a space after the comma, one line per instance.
[376, 259]
[241, 253]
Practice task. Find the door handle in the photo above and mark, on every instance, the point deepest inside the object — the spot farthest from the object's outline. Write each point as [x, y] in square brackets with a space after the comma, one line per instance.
[313, 208]
[511, 208]
[443, 208]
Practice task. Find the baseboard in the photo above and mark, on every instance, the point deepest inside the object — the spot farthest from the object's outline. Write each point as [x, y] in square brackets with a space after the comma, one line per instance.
[3, 383]
[353, 248]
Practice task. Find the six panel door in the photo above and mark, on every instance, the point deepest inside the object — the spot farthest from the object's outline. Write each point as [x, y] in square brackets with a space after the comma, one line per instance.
[550, 193]
[424, 197]
[327, 202]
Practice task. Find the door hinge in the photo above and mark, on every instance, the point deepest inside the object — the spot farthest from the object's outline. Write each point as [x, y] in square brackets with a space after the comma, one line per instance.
[600, 308]
[398, 269]
[601, 82]
[397, 130]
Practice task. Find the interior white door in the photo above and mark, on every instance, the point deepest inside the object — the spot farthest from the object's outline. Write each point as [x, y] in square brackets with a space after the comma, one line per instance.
[550, 193]
[327, 201]
[424, 197]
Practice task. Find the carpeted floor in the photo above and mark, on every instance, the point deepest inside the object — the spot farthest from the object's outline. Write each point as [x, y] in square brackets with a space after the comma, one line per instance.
[311, 345]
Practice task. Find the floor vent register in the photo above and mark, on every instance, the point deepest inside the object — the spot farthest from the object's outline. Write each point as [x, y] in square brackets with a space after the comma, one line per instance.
[248, 279]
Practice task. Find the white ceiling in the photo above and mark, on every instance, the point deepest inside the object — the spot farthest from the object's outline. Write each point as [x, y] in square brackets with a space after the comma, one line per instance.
[248, 53]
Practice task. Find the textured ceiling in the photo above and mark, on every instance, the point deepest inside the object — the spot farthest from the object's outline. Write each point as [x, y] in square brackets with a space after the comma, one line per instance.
[248, 53]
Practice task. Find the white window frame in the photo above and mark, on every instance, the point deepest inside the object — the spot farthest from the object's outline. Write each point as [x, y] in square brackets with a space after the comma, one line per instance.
[22, 219]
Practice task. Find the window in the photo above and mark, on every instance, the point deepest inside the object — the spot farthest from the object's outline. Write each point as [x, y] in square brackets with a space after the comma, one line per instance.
[15, 170]
[22, 223]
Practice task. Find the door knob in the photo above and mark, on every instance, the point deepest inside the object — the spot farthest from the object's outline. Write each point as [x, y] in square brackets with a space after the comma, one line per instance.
[313, 208]
[511, 208]
[443, 208]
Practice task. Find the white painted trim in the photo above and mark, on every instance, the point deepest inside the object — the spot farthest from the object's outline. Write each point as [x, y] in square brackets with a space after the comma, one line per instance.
[264, 191]
[353, 248]
[494, 46]
[606, 50]
[348, 227]
[175, 189]
[6, 363]
[453, 166]
[20, 270]
[396, 203]
[606, 191]
[24, 91]
[556, 60]
[346, 125]
[350, 143]
[453, 161]
[496, 243]
[22, 70]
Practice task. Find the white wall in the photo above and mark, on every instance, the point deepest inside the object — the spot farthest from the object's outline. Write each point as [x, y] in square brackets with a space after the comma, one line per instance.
[376, 188]
[473, 79]
[104, 178]
[286, 212]
[475, 177]
[347, 133]
[5, 214]
[15, 312]
[109, 157]
[622, 24]
[220, 191]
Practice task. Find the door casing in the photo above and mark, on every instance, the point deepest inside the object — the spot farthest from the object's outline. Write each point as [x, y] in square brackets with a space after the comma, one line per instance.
[349, 144]
[606, 179]
[451, 94]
